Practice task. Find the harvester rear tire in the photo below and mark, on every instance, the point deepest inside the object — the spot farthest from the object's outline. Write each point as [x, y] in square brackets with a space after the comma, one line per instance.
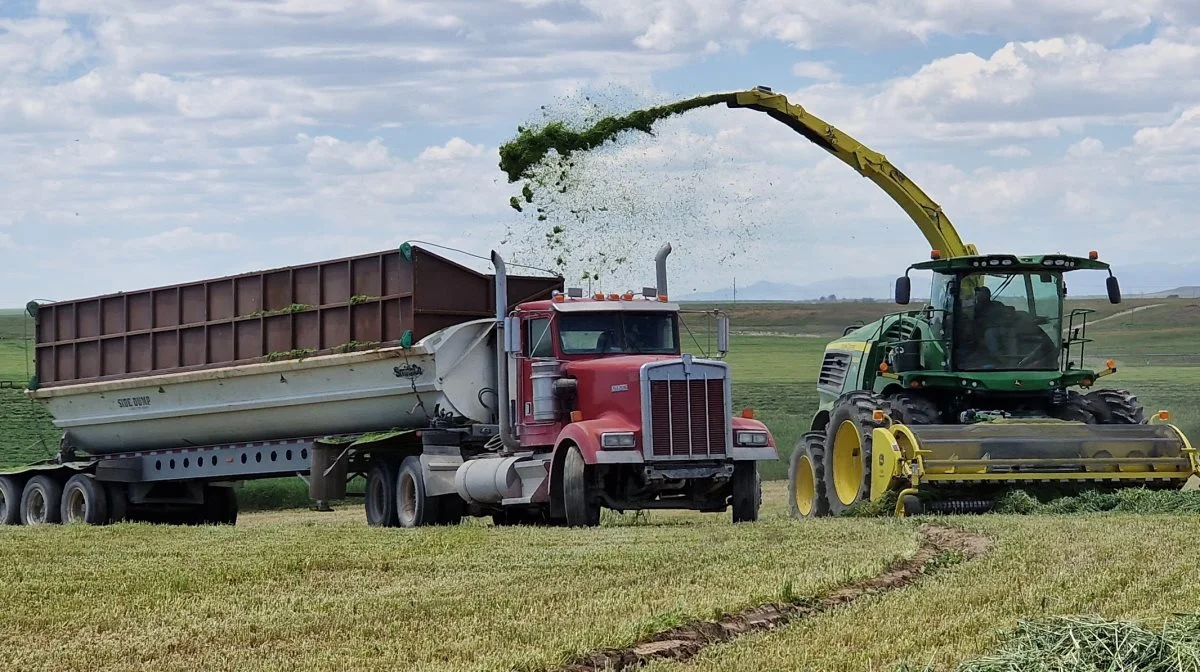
[41, 501]
[380, 496]
[1077, 408]
[10, 501]
[579, 501]
[908, 408]
[848, 449]
[84, 501]
[745, 492]
[414, 506]
[806, 478]
[1117, 407]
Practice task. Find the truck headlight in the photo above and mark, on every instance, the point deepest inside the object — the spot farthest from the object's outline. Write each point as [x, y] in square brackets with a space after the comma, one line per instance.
[750, 438]
[617, 440]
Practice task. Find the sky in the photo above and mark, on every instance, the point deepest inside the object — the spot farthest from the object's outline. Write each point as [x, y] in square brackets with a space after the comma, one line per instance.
[147, 142]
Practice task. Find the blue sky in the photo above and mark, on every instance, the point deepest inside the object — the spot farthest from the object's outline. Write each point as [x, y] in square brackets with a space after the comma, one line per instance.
[145, 142]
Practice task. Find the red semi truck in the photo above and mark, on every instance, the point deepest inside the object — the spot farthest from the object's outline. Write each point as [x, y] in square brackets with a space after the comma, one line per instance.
[422, 376]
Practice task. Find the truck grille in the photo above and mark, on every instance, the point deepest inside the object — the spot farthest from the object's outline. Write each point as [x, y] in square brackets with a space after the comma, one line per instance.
[687, 417]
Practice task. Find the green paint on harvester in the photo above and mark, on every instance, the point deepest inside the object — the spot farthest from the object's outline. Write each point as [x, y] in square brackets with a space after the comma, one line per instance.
[530, 147]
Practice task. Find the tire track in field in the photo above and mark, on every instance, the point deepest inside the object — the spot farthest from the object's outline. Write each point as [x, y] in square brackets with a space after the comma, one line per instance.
[940, 546]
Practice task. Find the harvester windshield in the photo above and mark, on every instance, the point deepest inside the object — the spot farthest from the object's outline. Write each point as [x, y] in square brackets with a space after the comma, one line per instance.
[999, 320]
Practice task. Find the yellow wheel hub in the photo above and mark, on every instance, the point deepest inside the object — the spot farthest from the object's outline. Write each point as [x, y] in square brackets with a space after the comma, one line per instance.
[848, 467]
[806, 486]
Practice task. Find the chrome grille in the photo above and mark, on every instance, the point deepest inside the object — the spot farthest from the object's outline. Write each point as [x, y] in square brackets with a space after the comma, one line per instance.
[687, 417]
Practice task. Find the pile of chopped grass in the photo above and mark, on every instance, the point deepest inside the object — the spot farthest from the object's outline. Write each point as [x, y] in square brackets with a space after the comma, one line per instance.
[1092, 644]
[1127, 500]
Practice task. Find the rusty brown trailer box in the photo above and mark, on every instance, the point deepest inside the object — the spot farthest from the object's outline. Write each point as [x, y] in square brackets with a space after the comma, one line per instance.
[371, 298]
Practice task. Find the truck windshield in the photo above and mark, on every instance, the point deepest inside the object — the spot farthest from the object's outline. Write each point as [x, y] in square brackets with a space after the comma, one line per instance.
[1006, 321]
[618, 332]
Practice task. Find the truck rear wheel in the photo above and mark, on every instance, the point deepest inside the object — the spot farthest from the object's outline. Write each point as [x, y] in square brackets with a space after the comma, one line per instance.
[746, 496]
[380, 499]
[84, 501]
[10, 501]
[414, 506]
[41, 501]
[579, 501]
[848, 450]
[806, 478]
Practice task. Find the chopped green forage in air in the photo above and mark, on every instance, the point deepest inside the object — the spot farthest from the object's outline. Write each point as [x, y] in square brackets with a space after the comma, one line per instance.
[529, 147]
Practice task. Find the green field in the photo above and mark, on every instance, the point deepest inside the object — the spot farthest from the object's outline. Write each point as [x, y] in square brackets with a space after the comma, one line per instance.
[297, 589]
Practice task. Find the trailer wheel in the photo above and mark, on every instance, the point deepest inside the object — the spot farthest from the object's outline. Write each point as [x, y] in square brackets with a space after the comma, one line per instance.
[84, 501]
[10, 501]
[746, 494]
[220, 506]
[414, 507]
[579, 501]
[380, 499]
[41, 501]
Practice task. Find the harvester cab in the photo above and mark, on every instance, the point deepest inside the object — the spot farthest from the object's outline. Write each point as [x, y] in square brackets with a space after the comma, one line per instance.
[993, 322]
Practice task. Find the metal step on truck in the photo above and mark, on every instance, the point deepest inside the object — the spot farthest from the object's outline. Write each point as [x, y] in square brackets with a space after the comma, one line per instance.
[451, 392]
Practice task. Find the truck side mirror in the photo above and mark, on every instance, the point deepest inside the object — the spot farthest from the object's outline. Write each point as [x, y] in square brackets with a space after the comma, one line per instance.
[512, 334]
[1114, 290]
[903, 290]
[722, 334]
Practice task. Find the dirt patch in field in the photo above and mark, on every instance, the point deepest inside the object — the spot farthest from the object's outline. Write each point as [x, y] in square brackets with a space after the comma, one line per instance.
[940, 547]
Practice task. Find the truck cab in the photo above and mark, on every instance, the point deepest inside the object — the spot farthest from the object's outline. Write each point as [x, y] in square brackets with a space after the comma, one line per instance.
[601, 386]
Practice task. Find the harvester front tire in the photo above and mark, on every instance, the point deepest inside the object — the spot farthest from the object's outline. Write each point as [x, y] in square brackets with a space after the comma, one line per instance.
[806, 478]
[10, 501]
[1117, 407]
[380, 495]
[848, 450]
[84, 501]
[746, 492]
[579, 501]
[41, 501]
[907, 408]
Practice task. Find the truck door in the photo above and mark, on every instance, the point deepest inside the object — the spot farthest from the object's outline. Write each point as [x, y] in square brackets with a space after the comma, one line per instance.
[537, 343]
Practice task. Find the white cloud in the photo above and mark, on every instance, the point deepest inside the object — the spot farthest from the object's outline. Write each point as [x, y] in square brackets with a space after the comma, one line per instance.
[819, 71]
[1010, 152]
[455, 148]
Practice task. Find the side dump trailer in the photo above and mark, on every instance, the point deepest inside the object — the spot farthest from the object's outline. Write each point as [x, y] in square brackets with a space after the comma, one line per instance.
[393, 366]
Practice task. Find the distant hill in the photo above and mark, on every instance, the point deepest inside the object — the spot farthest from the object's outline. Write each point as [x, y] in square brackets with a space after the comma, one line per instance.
[1190, 292]
[1136, 280]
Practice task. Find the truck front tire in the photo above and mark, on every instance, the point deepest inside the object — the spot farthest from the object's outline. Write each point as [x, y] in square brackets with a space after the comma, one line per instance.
[380, 496]
[41, 501]
[84, 501]
[579, 502]
[746, 495]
